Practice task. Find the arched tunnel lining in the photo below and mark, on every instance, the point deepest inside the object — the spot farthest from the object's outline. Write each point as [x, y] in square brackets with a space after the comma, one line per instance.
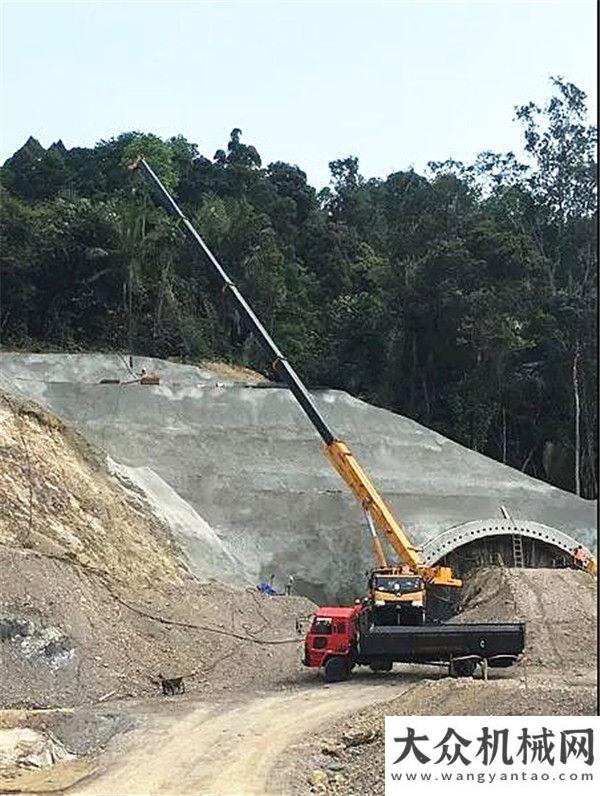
[493, 542]
[499, 550]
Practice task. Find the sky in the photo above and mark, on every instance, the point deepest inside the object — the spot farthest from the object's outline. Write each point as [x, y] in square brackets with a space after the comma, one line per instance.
[396, 84]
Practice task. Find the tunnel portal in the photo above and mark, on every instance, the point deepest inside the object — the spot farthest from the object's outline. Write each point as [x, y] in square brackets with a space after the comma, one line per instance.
[500, 541]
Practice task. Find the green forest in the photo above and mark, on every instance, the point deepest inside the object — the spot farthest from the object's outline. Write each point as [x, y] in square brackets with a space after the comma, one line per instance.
[464, 298]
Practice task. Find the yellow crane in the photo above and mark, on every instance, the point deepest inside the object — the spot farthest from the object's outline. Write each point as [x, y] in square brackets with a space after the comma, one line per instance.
[398, 591]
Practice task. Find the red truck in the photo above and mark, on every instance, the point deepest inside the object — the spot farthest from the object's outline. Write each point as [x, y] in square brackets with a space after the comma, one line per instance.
[341, 638]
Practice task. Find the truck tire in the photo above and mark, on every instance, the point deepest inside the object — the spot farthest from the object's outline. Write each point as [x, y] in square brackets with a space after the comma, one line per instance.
[465, 668]
[336, 669]
[381, 665]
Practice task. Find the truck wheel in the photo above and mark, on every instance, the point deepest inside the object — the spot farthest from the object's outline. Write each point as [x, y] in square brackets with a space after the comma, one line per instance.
[464, 668]
[381, 665]
[336, 670]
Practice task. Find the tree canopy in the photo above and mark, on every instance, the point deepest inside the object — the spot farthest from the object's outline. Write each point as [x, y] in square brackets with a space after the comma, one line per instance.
[464, 298]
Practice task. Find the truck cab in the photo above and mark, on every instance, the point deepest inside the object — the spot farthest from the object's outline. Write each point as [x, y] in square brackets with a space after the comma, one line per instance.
[331, 641]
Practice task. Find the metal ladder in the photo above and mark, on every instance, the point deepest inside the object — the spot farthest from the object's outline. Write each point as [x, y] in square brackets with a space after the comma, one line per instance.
[517, 541]
[517, 547]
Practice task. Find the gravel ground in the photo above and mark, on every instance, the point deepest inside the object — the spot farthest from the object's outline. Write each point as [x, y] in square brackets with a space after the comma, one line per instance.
[348, 758]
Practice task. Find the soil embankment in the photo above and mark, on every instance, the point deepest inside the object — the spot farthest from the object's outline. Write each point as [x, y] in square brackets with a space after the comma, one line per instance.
[558, 605]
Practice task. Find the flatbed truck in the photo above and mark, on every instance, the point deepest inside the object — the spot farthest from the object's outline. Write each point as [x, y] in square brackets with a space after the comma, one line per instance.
[341, 638]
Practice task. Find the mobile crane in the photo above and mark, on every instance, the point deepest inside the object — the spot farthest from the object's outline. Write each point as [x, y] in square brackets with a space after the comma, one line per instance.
[397, 592]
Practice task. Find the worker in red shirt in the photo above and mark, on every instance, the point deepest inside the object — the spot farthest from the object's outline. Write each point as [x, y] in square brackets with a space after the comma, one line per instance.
[579, 557]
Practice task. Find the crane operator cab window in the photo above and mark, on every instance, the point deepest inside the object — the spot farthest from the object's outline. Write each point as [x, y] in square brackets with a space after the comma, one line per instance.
[395, 584]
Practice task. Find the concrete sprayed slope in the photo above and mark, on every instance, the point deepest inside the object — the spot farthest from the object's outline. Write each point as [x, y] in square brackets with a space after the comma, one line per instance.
[250, 464]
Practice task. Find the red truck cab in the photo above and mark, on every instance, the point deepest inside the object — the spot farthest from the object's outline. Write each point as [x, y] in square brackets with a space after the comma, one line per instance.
[331, 641]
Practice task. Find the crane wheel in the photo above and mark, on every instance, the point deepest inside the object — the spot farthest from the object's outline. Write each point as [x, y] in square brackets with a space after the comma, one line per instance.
[336, 669]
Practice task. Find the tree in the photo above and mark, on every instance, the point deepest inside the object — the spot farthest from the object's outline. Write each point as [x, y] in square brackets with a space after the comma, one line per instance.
[464, 297]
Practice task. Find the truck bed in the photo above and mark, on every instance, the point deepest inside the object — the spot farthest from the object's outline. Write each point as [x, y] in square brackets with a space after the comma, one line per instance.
[500, 643]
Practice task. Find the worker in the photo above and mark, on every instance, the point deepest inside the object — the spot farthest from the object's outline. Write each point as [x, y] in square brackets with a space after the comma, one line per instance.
[149, 378]
[405, 569]
[289, 585]
[579, 557]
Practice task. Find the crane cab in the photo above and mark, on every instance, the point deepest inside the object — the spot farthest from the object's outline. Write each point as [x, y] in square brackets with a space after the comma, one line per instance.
[397, 596]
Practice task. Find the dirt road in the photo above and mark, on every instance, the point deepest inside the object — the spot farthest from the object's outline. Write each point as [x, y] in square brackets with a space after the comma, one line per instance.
[227, 750]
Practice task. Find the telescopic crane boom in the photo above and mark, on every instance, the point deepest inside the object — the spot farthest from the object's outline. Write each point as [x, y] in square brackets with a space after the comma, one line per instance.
[337, 451]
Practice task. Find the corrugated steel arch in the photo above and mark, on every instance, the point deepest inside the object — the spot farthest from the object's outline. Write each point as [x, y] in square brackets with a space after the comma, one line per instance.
[443, 544]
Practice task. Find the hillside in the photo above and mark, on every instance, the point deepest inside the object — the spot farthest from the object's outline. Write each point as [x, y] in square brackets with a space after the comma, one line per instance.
[95, 598]
[59, 500]
[462, 296]
[243, 457]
